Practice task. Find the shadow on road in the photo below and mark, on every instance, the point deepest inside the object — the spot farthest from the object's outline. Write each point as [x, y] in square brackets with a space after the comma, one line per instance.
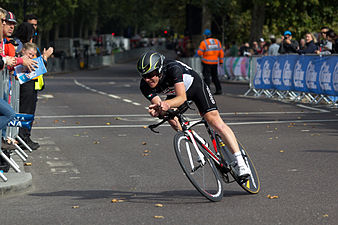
[173, 197]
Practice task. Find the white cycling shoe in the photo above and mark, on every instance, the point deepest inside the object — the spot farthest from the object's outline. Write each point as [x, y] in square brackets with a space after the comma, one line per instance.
[243, 171]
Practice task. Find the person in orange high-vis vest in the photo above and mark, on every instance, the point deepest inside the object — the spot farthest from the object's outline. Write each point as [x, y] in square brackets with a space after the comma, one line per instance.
[212, 54]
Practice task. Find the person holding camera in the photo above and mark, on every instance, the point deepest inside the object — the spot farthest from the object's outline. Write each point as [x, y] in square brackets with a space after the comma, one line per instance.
[288, 45]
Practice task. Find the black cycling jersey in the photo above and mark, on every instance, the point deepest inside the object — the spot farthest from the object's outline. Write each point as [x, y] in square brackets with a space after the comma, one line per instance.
[174, 72]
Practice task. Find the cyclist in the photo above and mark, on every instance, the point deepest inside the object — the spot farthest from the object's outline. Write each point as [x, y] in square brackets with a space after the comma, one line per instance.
[180, 83]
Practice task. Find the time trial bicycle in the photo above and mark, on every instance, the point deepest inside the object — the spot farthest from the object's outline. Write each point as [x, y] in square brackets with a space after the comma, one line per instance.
[206, 166]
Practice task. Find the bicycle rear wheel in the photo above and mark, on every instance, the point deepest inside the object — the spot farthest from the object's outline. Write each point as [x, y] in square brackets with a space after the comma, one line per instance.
[205, 178]
[252, 184]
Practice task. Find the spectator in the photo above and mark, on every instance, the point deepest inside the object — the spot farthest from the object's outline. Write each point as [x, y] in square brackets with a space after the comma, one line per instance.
[211, 51]
[302, 44]
[9, 61]
[28, 90]
[325, 46]
[23, 34]
[32, 19]
[288, 45]
[255, 47]
[9, 49]
[244, 50]
[332, 37]
[274, 47]
[260, 49]
[310, 46]
[234, 51]
[266, 48]
[6, 111]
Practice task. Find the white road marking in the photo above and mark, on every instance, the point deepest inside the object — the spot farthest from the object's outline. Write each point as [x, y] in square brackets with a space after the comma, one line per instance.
[166, 125]
[187, 114]
[312, 108]
[106, 94]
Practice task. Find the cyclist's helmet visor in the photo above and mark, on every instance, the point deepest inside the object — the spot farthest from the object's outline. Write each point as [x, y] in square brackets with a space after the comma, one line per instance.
[150, 75]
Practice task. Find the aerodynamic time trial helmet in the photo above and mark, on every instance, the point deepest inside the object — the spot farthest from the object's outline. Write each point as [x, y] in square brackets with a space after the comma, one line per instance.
[150, 61]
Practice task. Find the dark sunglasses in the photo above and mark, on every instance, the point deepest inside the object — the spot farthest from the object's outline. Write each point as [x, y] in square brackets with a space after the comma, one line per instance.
[150, 75]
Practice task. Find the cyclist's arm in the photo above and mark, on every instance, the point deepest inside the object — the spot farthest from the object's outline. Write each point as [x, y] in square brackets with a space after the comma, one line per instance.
[159, 106]
[180, 98]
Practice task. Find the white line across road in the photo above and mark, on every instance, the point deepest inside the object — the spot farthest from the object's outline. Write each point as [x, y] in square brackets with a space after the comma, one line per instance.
[104, 93]
[187, 114]
[231, 124]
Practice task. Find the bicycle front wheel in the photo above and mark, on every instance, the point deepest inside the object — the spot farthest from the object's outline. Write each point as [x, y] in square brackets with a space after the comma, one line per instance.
[203, 175]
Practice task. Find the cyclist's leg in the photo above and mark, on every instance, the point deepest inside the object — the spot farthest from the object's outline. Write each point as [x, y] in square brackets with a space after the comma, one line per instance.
[174, 123]
[215, 121]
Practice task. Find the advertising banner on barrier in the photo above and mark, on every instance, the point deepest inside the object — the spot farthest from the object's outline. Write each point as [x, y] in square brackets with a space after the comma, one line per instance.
[328, 76]
[287, 64]
[237, 67]
[263, 79]
[310, 74]
[257, 81]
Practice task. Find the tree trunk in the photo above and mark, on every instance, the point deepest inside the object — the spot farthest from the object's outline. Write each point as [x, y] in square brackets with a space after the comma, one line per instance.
[257, 21]
[206, 17]
[71, 28]
[56, 31]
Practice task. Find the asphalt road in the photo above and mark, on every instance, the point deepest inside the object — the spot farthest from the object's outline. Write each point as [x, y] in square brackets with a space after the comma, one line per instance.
[95, 150]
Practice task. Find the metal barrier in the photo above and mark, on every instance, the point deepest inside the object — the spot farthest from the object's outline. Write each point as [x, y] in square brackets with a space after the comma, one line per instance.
[10, 92]
[306, 78]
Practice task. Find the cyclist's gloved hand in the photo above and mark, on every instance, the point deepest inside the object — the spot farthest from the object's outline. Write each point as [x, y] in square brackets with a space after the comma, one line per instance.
[158, 109]
[154, 110]
[164, 106]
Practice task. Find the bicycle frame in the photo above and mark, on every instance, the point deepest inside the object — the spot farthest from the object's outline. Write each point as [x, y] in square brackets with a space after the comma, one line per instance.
[195, 138]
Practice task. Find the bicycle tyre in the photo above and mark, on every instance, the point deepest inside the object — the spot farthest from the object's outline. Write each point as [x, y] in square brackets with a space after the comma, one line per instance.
[252, 184]
[206, 178]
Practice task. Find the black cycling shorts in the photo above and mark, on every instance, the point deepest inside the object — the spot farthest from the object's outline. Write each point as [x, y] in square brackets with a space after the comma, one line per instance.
[201, 95]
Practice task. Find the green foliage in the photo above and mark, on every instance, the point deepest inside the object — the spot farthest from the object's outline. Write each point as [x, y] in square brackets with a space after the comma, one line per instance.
[233, 18]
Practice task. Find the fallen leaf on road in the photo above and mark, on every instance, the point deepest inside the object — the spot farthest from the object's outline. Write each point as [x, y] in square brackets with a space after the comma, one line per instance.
[272, 196]
[145, 126]
[146, 154]
[56, 121]
[118, 118]
[146, 151]
[144, 143]
[96, 142]
[75, 207]
[159, 217]
[325, 215]
[77, 122]
[159, 205]
[281, 151]
[107, 123]
[28, 164]
[76, 135]
[116, 200]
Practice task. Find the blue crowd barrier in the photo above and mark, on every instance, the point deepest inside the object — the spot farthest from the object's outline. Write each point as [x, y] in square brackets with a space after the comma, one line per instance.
[315, 77]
